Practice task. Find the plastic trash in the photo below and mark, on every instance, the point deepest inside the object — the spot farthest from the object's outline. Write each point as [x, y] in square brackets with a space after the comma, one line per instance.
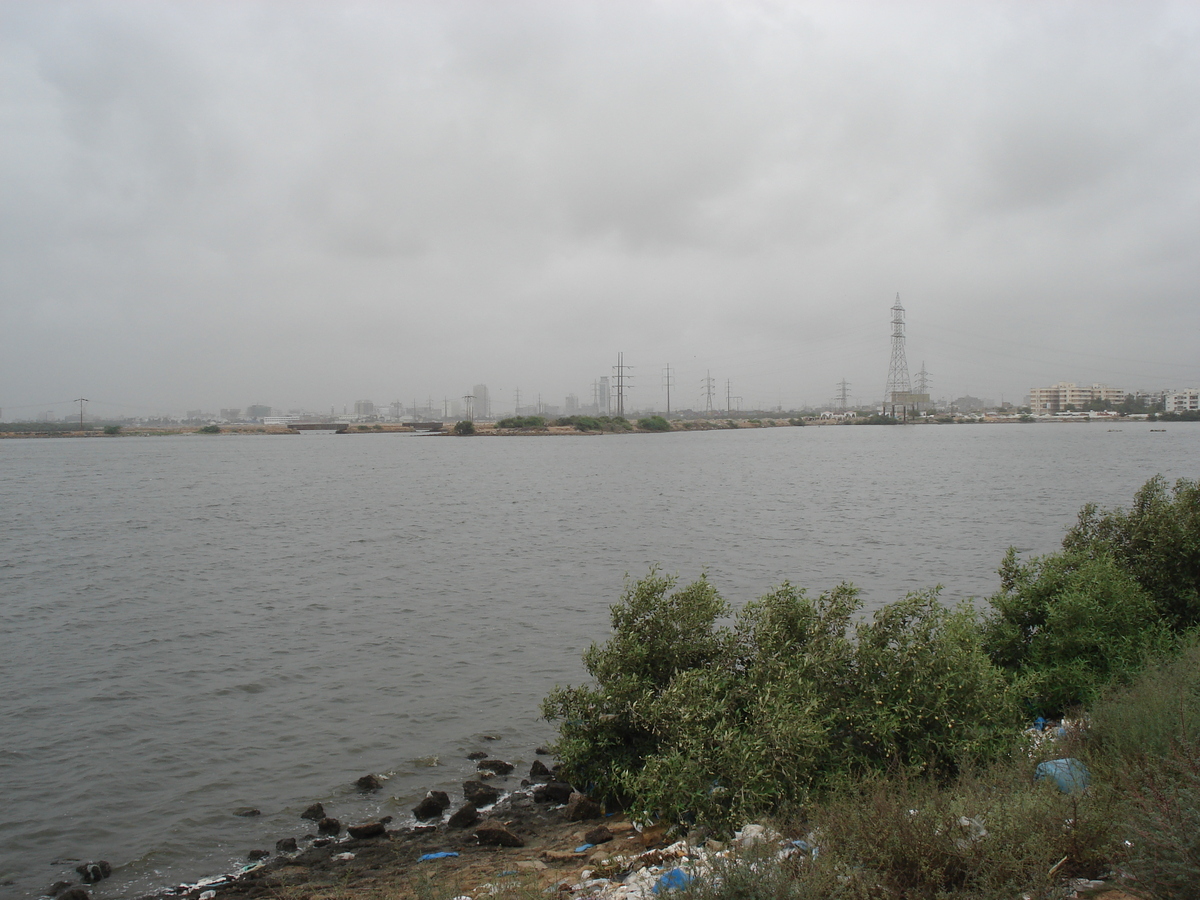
[584, 848]
[1069, 775]
[1039, 724]
[445, 854]
[676, 878]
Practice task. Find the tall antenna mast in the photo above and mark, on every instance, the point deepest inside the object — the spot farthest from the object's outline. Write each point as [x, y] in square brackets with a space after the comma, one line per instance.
[80, 401]
[668, 380]
[898, 386]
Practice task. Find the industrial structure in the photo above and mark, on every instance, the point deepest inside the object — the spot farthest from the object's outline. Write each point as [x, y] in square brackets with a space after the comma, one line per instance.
[898, 396]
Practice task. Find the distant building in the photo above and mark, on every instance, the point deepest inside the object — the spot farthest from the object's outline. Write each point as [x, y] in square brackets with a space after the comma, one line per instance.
[1049, 401]
[230, 415]
[571, 407]
[482, 406]
[1187, 400]
[364, 408]
[257, 411]
[603, 396]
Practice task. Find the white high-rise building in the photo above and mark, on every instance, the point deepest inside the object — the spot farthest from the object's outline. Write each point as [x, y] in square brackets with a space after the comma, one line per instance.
[482, 406]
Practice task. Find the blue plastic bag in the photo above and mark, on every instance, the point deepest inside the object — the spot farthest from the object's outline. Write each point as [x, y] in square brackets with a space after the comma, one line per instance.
[676, 878]
[1069, 774]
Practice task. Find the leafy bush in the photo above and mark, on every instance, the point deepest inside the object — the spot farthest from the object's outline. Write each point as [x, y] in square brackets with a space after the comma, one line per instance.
[1066, 625]
[209, 429]
[522, 422]
[112, 429]
[1157, 542]
[466, 426]
[654, 423]
[691, 719]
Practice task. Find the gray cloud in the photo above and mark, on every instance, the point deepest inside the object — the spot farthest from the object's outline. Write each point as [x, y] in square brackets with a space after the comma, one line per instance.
[304, 204]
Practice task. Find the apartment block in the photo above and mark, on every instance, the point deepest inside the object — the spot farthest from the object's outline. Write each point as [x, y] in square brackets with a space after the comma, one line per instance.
[1057, 397]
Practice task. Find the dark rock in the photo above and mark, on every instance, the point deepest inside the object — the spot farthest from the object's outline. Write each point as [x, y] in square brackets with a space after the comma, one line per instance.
[554, 792]
[479, 793]
[367, 830]
[92, 872]
[75, 894]
[424, 829]
[432, 807]
[542, 751]
[580, 807]
[322, 842]
[598, 835]
[329, 826]
[247, 812]
[286, 845]
[386, 819]
[58, 887]
[496, 766]
[316, 812]
[477, 754]
[496, 835]
[538, 773]
[258, 854]
[368, 783]
[465, 816]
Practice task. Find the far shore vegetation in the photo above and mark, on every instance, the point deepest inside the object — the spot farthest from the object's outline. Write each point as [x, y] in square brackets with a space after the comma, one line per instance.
[903, 745]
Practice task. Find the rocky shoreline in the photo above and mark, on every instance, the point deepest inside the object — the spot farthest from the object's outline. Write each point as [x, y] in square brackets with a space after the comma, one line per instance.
[541, 831]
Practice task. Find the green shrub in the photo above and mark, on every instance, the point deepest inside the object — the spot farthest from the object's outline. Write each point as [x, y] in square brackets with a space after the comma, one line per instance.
[654, 423]
[466, 426]
[209, 429]
[689, 719]
[1157, 541]
[112, 429]
[522, 422]
[587, 423]
[1154, 716]
[1065, 626]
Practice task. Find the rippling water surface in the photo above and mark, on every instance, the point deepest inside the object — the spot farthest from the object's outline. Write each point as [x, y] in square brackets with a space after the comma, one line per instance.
[191, 624]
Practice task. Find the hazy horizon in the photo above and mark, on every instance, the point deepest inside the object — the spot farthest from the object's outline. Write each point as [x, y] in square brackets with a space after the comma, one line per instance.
[304, 204]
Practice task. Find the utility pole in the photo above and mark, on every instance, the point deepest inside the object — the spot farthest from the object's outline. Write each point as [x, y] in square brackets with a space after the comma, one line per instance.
[469, 405]
[516, 401]
[623, 380]
[728, 395]
[80, 401]
[668, 380]
[707, 381]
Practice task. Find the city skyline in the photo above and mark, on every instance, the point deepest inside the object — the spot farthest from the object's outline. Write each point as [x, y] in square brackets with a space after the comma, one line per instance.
[307, 204]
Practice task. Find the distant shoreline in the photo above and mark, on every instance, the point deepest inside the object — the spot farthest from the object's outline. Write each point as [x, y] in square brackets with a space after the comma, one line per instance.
[488, 429]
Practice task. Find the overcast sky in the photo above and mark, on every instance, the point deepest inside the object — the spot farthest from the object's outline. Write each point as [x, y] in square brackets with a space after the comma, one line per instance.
[208, 204]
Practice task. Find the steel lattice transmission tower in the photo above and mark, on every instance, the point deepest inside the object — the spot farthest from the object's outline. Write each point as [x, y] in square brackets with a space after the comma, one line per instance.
[898, 386]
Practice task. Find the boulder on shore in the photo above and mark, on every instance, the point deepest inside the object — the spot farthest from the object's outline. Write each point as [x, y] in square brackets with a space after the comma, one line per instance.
[495, 766]
[496, 835]
[581, 807]
[329, 825]
[91, 872]
[465, 816]
[553, 792]
[316, 812]
[539, 773]
[367, 830]
[368, 783]
[479, 793]
[432, 806]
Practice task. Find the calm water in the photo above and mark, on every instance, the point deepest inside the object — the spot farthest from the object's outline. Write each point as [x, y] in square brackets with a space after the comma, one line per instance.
[191, 624]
